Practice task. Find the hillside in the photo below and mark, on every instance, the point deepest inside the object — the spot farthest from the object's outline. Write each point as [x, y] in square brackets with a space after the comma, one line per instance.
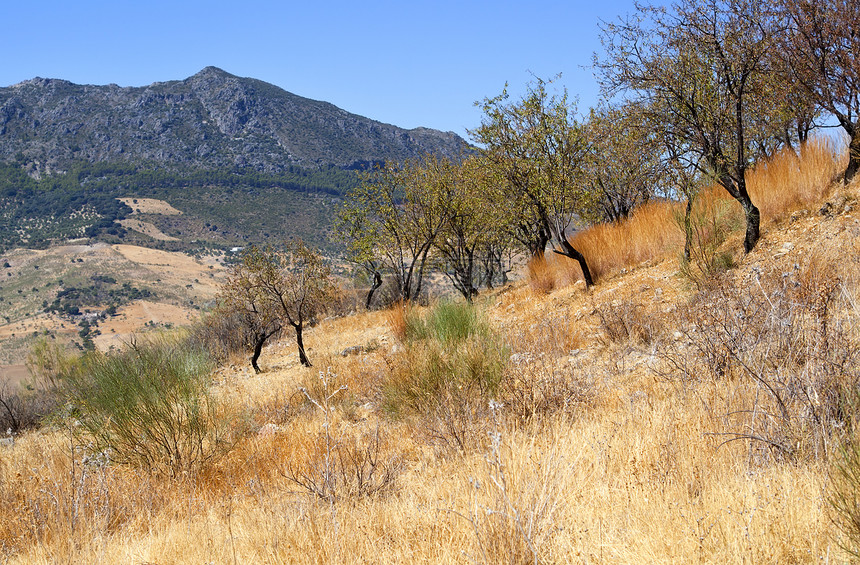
[212, 120]
[97, 295]
[647, 419]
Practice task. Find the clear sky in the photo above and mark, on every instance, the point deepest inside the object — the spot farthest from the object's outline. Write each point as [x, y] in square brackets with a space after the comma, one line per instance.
[409, 63]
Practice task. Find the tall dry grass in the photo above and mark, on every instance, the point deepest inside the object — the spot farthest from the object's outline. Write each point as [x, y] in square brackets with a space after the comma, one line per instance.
[649, 233]
[640, 478]
[789, 181]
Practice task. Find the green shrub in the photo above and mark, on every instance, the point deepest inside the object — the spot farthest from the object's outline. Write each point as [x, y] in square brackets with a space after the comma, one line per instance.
[450, 354]
[448, 323]
[708, 224]
[148, 406]
[844, 496]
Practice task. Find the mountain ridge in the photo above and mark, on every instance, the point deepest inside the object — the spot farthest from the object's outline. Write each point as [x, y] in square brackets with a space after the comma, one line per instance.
[212, 119]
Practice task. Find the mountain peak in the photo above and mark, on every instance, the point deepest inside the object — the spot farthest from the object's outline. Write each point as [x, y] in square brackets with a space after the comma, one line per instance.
[211, 71]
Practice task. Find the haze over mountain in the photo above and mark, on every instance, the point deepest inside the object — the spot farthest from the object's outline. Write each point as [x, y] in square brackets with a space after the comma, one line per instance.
[210, 120]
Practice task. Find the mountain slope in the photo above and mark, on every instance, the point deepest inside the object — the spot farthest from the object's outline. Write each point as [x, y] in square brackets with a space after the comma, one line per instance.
[210, 120]
[244, 160]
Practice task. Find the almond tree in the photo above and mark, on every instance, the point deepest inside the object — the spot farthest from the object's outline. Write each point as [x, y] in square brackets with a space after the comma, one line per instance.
[538, 148]
[389, 220]
[469, 238]
[624, 168]
[822, 52]
[243, 298]
[705, 70]
[274, 288]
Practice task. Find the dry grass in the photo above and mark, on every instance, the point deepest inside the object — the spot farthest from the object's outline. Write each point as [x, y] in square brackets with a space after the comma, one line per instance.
[649, 233]
[788, 182]
[598, 448]
[638, 479]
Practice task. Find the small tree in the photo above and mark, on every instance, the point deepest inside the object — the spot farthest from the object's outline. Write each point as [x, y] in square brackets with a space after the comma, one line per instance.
[391, 221]
[538, 147]
[470, 232]
[277, 287]
[243, 297]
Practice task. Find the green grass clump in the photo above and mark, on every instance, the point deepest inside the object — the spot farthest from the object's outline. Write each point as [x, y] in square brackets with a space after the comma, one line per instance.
[448, 323]
[149, 406]
[449, 352]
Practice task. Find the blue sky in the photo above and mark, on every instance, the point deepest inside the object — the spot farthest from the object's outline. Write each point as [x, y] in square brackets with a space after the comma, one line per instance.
[409, 63]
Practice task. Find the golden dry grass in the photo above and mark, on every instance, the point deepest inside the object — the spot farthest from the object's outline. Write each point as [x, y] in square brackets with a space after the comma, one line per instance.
[600, 453]
[649, 233]
[638, 479]
[790, 181]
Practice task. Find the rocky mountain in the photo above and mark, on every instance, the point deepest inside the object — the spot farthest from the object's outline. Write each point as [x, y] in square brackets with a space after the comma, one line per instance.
[212, 120]
[242, 160]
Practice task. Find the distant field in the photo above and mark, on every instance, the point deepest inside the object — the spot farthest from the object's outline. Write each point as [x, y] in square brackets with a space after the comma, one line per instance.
[150, 206]
[14, 375]
[149, 288]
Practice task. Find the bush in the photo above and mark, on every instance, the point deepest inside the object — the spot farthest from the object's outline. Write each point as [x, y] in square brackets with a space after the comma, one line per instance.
[450, 346]
[708, 224]
[844, 496]
[336, 467]
[451, 366]
[626, 321]
[149, 407]
[784, 337]
[25, 409]
[222, 334]
[449, 323]
[21, 408]
[537, 388]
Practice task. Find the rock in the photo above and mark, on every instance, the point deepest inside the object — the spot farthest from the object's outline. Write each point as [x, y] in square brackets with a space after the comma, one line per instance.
[520, 358]
[354, 350]
[268, 430]
[798, 215]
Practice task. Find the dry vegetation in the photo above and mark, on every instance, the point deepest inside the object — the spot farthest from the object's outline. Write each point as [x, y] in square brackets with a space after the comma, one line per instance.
[641, 421]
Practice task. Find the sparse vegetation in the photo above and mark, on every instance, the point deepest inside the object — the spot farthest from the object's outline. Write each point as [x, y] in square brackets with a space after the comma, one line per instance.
[597, 424]
[681, 405]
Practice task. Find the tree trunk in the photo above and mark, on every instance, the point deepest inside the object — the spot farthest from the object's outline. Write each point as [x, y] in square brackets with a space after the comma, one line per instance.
[853, 157]
[258, 348]
[570, 251]
[753, 217]
[539, 243]
[259, 341]
[303, 358]
[688, 229]
[377, 282]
